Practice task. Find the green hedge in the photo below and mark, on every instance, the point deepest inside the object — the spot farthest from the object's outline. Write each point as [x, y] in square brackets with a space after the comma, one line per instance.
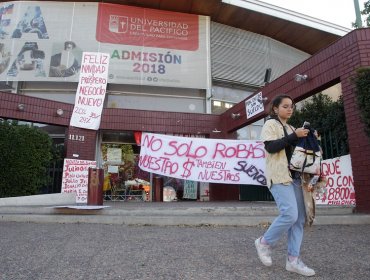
[25, 154]
[362, 82]
[328, 118]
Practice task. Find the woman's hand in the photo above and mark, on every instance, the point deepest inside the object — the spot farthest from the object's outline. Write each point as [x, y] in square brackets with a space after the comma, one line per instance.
[301, 132]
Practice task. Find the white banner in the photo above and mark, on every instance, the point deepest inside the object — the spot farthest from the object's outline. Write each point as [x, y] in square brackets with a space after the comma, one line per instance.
[340, 189]
[204, 160]
[91, 91]
[75, 177]
[44, 41]
[254, 105]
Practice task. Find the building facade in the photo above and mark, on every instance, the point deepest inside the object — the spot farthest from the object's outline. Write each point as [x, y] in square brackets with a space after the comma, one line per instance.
[159, 85]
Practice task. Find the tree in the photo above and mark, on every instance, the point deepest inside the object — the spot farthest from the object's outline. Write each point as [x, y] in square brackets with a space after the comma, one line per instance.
[362, 82]
[25, 154]
[365, 12]
[328, 118]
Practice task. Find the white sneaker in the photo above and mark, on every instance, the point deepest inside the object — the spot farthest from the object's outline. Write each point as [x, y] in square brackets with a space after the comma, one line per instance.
[299, 267]
[264, 252]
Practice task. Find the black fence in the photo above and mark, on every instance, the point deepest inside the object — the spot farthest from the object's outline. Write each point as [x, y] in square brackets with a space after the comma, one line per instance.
[254, 193]
[55, 174]
[333, 147]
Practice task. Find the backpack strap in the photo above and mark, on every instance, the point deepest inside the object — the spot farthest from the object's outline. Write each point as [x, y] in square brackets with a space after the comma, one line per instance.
[288, 149]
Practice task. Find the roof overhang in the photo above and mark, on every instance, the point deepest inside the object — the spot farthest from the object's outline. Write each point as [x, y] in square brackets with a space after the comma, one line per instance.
[285, 14]
[299, 31]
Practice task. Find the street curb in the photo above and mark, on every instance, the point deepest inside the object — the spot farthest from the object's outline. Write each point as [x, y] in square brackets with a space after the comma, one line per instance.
[173, 214]
[178, 220]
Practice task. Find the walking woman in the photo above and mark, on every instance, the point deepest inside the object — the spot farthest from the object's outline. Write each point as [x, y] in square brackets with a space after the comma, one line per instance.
[285, 185]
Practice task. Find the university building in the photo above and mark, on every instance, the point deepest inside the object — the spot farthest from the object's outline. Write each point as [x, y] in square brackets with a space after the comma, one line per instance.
[178, 68]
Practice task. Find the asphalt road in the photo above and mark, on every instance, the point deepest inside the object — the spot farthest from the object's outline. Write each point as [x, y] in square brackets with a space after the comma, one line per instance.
[99, 251]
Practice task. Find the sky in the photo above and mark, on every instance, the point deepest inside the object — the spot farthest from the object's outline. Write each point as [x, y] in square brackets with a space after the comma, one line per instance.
[340, 12]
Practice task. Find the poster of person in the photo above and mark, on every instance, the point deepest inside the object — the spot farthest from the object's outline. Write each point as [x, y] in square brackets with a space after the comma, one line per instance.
[65, 60]
[29, 61]
[4, 57]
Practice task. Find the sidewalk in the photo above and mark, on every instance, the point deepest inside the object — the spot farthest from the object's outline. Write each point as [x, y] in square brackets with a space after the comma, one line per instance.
[235, 213]
[54, 251]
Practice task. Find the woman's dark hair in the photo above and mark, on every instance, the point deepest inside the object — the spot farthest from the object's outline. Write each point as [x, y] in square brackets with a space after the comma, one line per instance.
[276, 102]
[69, 43]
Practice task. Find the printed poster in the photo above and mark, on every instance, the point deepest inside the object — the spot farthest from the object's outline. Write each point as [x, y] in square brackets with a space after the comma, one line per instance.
[190, 189]
[44, 41]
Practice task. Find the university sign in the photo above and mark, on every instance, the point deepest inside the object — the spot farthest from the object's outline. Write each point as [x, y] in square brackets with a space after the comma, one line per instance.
[44, 41]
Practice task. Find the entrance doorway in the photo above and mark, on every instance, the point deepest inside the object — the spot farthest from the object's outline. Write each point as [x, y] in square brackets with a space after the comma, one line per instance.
[119, 155]
[123, 179]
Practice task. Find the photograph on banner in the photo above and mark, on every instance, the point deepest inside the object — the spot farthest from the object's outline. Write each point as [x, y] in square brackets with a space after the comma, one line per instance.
[254, 105]
[65, 59]
[340, 189]
[91, 91]
[145, 46]
[75, 177]
[28, 61]
[204, 160]
[5, 56]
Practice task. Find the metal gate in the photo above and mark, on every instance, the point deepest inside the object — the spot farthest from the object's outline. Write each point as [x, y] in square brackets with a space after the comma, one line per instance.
[55, 171]
[254, 193]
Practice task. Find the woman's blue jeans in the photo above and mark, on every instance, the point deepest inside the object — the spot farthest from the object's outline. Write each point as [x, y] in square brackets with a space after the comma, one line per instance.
[289, 200]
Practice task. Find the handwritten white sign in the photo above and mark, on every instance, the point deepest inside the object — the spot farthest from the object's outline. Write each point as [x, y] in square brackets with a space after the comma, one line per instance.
[254, 105]
[91, 91]
[204, 160]
[75, 177]
[340, 189]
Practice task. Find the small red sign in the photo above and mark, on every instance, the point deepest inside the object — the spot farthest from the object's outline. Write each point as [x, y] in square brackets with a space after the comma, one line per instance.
[119, 24]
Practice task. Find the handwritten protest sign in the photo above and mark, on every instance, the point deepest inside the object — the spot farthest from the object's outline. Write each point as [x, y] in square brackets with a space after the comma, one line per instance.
[254, 105]
[204, 160]
[75, 177]
[340, 188]
[91, 91]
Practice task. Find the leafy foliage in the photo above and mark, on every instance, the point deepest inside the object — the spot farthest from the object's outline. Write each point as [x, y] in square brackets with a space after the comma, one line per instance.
[362, 82]
[365, 12]
[327, 117]
[25, 154]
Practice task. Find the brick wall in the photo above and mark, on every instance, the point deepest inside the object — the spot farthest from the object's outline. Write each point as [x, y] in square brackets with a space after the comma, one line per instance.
[80, 143]
[35, 109]
[336, 63]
